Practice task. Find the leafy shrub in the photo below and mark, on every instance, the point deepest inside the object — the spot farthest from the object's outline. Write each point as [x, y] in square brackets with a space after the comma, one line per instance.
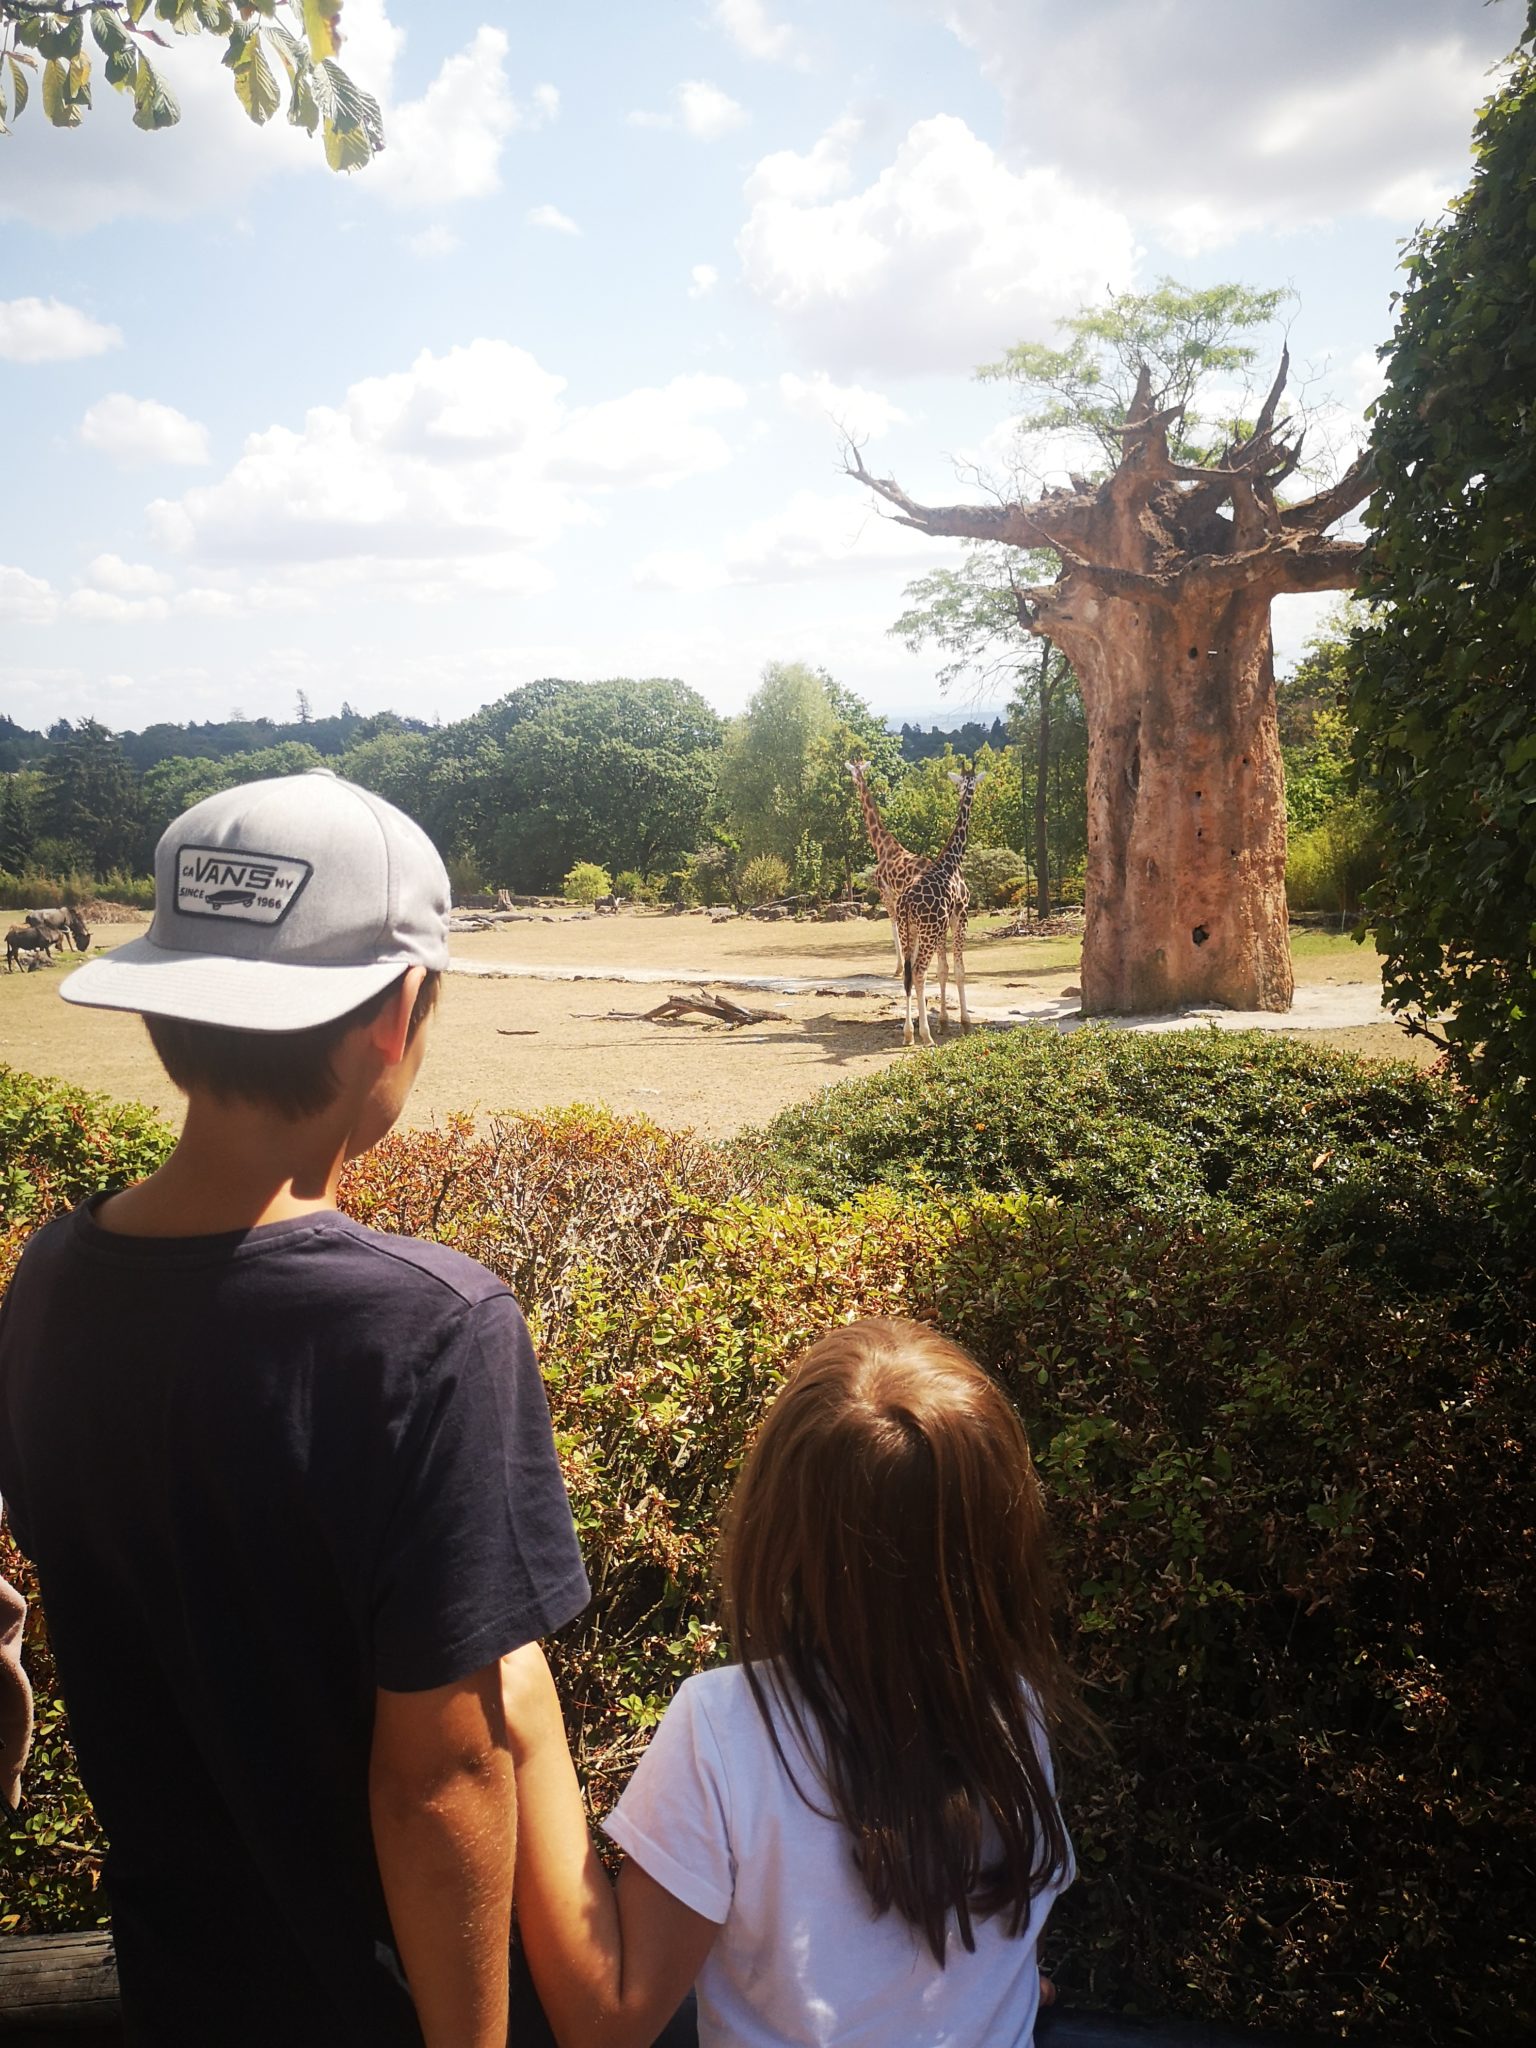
[586, 882]
[546, 1201]
[1294, 1521]
[764, 879]
[994, 875]
[1316, 1809]
[464, 877]
[704, 877]
[634, 887]
[1361, 1154]
[35, 890]
[58, 1145]
[1331, 866]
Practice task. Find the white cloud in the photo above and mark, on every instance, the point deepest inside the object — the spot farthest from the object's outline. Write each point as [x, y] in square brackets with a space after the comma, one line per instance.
[138, 431]
[445, 477]
[817, 535]
[706, 112]
[545, 105]
[26, 600]
[943, 260]
[552, 217]
[702, 280]
[700, 109]
[1199, 117]
[48, 331]
[112, 574]
[656, 435]
[447, 145]
[680, 569]
[756, 34]
[109, 607]
[434, 242]
[864, 414]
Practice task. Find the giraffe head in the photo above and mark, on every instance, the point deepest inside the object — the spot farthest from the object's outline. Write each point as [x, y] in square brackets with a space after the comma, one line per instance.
[969, 782]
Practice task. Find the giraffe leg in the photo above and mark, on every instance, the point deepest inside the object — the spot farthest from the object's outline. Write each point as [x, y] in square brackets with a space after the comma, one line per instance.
[921, 979]
[943, 984]
[965, 1015]
[907, 973]
[895, 933]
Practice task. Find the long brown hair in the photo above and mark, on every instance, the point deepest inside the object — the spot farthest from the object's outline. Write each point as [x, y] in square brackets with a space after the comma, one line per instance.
[885, 1581]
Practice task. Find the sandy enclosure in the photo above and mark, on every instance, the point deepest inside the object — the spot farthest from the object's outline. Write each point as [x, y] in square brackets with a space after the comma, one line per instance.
[524, 1043]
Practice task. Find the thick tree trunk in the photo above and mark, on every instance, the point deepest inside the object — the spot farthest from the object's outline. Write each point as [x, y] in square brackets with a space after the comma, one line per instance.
[1186, 809]
[1162, 607]
[1042, 790]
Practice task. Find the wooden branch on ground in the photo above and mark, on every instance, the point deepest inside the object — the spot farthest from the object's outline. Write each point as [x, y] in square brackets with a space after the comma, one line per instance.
[702, 1003]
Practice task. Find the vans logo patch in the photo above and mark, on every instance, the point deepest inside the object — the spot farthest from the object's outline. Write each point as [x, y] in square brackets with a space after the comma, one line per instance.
[224, 882]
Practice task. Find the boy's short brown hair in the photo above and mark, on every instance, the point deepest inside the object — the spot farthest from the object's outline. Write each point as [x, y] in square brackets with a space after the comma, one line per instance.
[287, 1072]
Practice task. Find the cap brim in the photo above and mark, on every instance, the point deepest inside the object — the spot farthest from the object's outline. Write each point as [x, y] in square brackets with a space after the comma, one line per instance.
[206, 988]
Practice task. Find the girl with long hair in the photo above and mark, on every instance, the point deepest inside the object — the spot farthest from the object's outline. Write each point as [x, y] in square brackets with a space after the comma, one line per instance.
[850, 1835]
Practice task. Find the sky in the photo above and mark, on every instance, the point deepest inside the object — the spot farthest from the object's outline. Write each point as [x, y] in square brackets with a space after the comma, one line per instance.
[557, 385]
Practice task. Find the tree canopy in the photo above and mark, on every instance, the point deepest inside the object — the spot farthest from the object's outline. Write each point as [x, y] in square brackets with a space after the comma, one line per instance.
[1445, 671]
[1179, 336]
[46, 45]
[784, 783]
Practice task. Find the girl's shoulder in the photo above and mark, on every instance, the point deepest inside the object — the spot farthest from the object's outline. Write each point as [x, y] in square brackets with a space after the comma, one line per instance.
[725, 1707]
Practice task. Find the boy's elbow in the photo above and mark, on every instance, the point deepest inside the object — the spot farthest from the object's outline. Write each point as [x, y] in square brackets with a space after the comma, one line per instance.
[433, 1750]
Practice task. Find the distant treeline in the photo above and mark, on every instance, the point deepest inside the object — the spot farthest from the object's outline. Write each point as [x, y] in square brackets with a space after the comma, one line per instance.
[640, 778]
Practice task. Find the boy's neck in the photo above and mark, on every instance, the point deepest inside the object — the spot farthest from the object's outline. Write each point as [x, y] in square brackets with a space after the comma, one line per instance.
[234, 1167]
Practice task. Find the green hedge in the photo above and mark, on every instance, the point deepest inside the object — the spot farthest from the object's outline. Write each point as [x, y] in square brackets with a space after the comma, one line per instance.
[1295, 1520]
[1368, 1156]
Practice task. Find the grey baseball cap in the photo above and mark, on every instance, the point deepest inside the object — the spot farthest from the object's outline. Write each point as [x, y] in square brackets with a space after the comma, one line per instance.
[279, 905]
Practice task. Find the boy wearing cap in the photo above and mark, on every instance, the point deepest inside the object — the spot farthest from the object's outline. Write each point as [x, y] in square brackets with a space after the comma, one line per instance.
[289, 1483]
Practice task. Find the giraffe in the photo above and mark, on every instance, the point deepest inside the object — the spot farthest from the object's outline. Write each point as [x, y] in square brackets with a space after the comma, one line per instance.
[896, 866]
[933, 906]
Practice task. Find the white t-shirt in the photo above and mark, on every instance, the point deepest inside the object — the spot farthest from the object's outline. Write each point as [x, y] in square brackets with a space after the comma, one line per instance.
[801, 1957]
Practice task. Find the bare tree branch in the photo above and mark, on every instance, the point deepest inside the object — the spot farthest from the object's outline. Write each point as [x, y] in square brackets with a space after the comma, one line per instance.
[1312, 515]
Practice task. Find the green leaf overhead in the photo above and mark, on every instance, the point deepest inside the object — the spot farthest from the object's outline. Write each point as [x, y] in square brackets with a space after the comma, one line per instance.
[154, 104]
[255, 87]
[322, 25]
[57, 104]
[304, 34]
[21, 90]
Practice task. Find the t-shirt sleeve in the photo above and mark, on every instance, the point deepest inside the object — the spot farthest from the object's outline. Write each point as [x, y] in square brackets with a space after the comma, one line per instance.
[479, 1555]
[674, 1815]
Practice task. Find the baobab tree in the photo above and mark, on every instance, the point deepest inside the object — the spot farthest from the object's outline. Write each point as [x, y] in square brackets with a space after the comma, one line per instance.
[1168, 565]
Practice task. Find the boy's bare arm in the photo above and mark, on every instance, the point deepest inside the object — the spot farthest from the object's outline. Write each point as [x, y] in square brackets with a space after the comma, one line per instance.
[443, 1803]
[609, 1973]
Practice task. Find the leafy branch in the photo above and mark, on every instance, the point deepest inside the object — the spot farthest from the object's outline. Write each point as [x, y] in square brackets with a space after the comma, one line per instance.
[47, 44]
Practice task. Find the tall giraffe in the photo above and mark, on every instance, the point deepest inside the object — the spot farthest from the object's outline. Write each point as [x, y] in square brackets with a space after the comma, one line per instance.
[934, 905]
[897, 867]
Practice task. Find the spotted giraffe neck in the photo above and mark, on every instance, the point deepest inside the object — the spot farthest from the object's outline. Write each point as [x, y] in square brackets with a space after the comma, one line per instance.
[949, 860]
[881, 837]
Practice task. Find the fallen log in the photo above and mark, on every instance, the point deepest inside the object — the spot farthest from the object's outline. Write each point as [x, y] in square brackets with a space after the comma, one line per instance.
[716, 1009]
[61, 1987]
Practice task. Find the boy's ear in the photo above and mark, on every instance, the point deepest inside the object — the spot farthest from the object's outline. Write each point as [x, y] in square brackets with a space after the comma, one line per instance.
[390, 1031]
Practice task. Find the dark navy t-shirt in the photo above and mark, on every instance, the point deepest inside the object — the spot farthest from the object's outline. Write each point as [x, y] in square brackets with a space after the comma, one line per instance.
[260, 1475]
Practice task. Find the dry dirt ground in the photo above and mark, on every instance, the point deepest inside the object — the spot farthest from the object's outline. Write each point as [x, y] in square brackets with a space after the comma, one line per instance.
[715, 1079]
